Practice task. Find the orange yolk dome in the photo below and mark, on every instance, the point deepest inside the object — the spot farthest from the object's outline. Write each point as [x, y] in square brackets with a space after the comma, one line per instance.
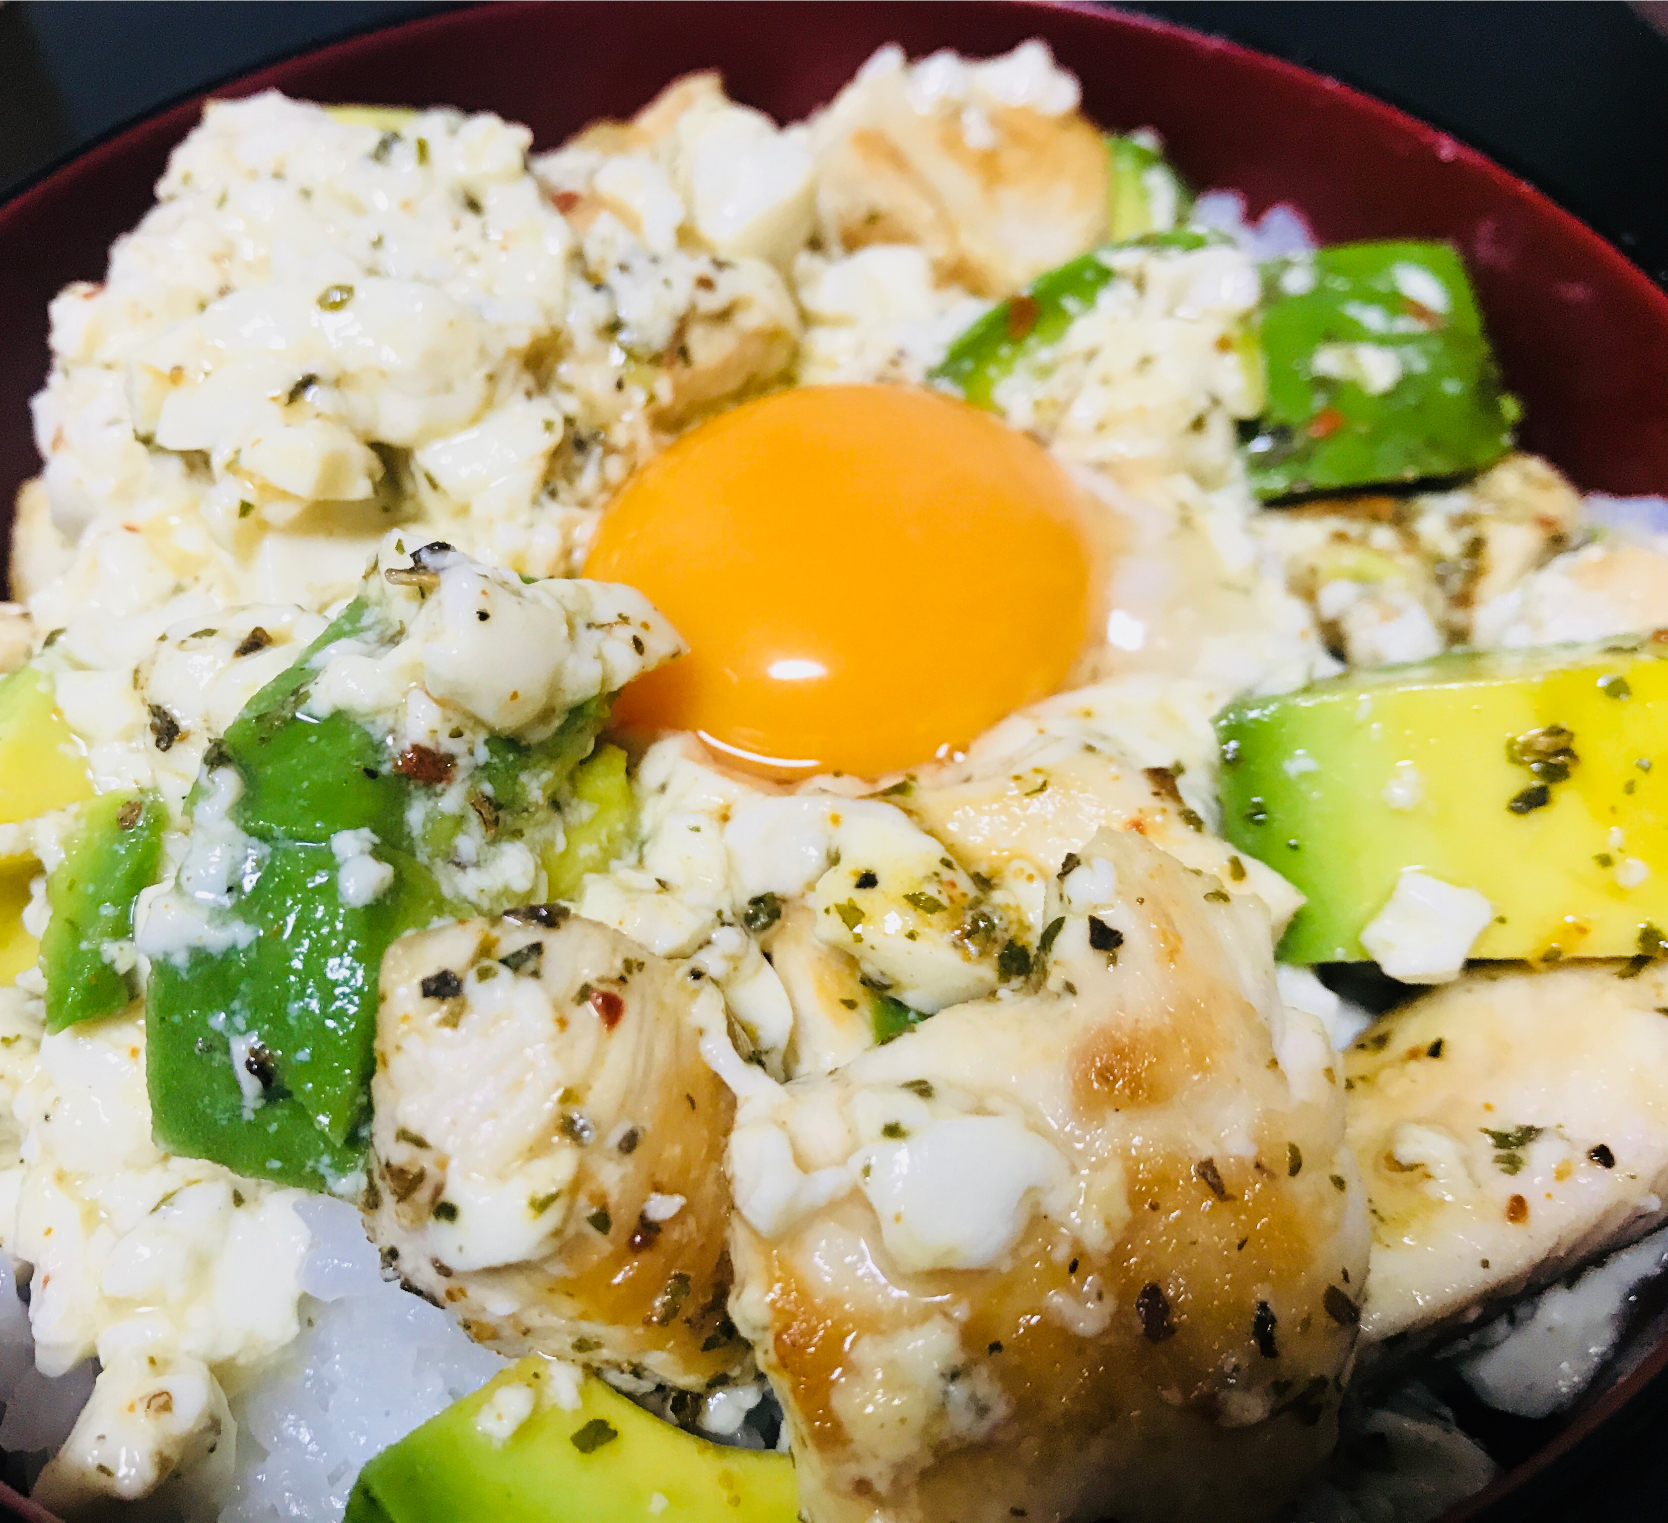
[865, 575]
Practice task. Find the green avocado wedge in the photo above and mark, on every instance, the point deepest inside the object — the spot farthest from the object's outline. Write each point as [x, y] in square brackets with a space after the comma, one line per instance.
[1537, 778]
[1144, 192]
[1378, 372]
[604, 1461]
[601, 825]
[114, 852]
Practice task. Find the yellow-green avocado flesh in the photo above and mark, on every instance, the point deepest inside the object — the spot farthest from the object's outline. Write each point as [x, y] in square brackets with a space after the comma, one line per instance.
[1537, 777]
[604, 1461]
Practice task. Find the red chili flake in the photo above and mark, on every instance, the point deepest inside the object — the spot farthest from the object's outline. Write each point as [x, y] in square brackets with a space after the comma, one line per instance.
[608, 1006]
[423, 764]
[566, 200]
[1022, 316]
[1417, 310]
[1327, 421]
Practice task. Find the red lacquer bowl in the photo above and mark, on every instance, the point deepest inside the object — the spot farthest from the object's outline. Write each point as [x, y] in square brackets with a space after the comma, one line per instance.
[1582, 334]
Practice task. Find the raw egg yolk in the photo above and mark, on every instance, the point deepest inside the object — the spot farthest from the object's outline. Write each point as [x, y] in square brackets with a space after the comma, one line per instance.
[866, 576]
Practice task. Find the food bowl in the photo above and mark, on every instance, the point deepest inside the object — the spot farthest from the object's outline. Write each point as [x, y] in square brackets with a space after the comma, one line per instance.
[1582, 334]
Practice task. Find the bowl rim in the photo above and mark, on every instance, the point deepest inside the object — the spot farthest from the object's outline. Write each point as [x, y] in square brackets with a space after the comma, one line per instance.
[72, 156]
[1591, 1421]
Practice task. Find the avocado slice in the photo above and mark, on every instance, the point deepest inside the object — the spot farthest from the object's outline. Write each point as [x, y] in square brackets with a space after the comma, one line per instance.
[1538, 778]
[386, 118]
[592, 840]
[114, 852]
[1378, 371]
[1145, 194]
[605, 1461]
[42, 764]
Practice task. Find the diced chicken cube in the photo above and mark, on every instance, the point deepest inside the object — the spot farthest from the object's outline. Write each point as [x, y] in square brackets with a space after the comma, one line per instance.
[996, 193]
[1096, 1249]
[547, 1145]
[1509, 1126]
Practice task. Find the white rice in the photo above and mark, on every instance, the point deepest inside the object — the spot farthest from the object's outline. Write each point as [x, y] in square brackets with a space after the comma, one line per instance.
[1280, 233]
[38, 1412]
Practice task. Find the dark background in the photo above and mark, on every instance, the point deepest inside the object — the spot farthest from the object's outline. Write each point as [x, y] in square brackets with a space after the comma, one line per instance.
[1573, 97]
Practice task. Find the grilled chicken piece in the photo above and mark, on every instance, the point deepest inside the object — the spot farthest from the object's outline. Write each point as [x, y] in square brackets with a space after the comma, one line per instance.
[1093, 1250]
[1400, 578]
[1030, 796]
[741, 331]
[1508, 1126]
[995, 194]
[547, 1144]
[831, 1021]
[1618, 586]
[688, 212]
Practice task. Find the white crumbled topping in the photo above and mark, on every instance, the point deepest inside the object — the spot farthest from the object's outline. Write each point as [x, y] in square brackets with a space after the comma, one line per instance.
[1381, 624]
[748, 183]
[1631, 872]
[1405, 789]
[241, 1045]
[1028, 76]
[778, 845]
[512, 657]
[958, 1193]
[503, 1413]
[1417, 283]
[902, 1392]
[172, 928]
[1342, 1021]
[1425, 931]
[896, 902]
[147, 1418]
[1091, 885]
[220, 863]
[1435, 1149]
[174, 1272]
[640, 185]
[772, 1192]
[361, 878]
[1152, 379]
[662, 1208]
[724, 1411]
[876, 315]
[1375, 368]
[1084, 1311]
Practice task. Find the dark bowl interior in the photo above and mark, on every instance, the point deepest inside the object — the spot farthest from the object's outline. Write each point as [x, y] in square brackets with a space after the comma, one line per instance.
[1582, 334]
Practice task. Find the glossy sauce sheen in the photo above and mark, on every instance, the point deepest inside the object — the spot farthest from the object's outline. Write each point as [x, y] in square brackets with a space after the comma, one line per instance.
[865, 575]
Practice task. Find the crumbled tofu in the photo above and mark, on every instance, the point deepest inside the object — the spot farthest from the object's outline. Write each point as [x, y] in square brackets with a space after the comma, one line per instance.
[1424, 933]
[542, 1118]
[1375, 368]
[505, 1411]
